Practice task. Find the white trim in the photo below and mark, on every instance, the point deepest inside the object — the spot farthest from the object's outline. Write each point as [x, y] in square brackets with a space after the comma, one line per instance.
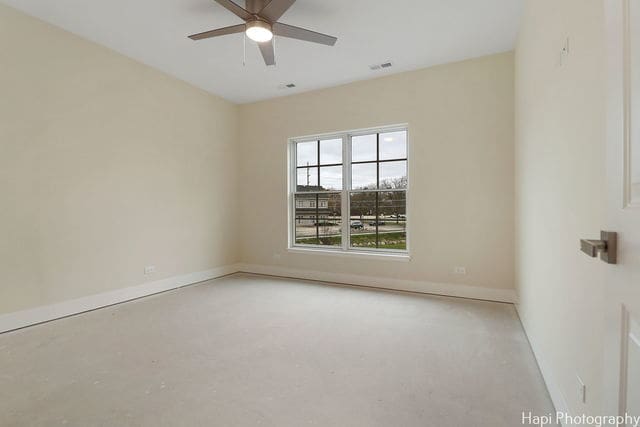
[21, 319]
[346, 198]
[627, 88]
[379, 255]
[555, 392]
[292, 181]
[423, 287]
[339, 134]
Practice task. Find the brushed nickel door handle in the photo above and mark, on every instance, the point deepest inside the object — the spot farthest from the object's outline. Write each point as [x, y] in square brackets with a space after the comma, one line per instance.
[607, 247]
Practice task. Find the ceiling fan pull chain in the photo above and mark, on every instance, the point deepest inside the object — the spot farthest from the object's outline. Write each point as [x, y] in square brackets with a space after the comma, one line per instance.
[244, 50]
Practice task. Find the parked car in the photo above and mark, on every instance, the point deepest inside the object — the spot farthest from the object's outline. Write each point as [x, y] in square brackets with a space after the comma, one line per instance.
[357, 225]
[373, 223]
[399, 216]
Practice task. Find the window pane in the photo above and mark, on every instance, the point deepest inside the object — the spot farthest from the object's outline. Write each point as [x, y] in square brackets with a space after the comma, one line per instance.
[330, 219]
[392, 228]
[318, 219]
[307, 179]
[363, 213]
[393, 145]
[331, 152]
[331, 178]
[393, 174]
[305, 218]
[387, 229]
[364, 148]
[363, 176]
[307, 153]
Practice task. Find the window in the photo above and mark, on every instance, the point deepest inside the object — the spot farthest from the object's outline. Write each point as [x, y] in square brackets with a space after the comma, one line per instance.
[349, 191]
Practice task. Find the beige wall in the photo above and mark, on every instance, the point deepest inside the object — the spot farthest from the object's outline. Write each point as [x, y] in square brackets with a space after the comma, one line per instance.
[460, 120]
[559, 192]
[106, 166]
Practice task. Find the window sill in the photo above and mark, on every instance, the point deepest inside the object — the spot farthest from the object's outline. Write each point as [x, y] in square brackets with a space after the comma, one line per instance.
[388, 256]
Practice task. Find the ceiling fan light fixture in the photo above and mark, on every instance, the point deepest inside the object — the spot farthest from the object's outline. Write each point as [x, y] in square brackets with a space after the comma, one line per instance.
[259, 31]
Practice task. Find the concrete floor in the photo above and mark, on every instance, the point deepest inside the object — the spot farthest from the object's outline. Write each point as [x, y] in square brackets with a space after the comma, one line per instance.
[248, 350]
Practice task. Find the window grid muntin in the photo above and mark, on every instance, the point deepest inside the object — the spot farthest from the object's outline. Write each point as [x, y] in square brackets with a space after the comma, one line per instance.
[377, 190]
[378, 208]
[378, 161]
[317, 217]
[318, 165]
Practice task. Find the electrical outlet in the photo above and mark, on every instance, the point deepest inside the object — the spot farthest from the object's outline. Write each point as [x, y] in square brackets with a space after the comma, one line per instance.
[582, 390]
[460, 270]
[150, 269]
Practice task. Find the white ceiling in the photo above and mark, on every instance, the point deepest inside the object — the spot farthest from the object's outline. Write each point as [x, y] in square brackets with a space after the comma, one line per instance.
[410, 33]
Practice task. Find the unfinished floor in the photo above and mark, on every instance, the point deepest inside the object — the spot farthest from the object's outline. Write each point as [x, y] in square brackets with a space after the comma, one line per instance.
[248, 350]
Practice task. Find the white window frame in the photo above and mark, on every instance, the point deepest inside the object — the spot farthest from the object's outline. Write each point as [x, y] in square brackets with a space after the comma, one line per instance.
[345, 248]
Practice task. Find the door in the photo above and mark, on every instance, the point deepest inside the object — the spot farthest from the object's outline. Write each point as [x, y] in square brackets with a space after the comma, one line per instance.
[622, 285]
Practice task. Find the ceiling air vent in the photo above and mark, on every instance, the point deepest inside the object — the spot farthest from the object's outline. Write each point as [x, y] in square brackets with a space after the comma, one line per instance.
[384, 65]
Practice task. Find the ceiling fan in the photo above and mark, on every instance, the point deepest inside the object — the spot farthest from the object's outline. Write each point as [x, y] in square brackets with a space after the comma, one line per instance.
[261, 24]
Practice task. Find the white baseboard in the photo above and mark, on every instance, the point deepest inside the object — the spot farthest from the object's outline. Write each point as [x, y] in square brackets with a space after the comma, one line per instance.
[20, 319]
[555, 392]
[447, 289]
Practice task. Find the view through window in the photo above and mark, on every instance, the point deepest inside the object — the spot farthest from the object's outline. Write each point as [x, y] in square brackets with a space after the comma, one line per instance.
[350, 191]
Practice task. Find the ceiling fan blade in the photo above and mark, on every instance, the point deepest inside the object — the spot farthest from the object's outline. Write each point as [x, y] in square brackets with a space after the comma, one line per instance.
[275, 9]
[235, 9]
[292, 32]
[268, 53]
[219, 32]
